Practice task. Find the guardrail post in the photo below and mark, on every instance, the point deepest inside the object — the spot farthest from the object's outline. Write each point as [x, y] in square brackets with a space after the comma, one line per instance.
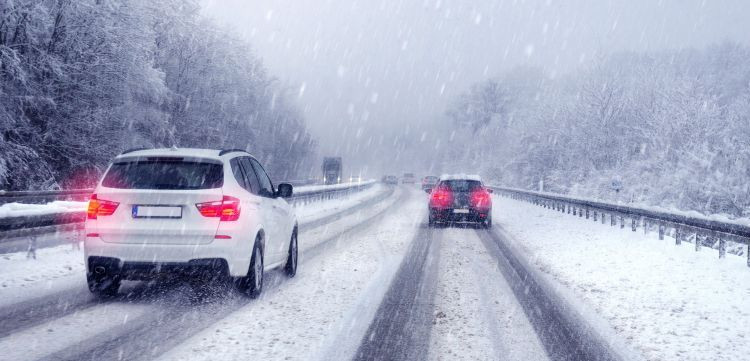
[568, 205]
[661, 231]
[31, 252]
[596, 216]
[622, 222]
[612, 219]
[697, 242]
[580, 212]
[748, 252]
[633, 224]
[722, 248]
[677, 235]
[645, 226]
[587, 212]
[603, 216]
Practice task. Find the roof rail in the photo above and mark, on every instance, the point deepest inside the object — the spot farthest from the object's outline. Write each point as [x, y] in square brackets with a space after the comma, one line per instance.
[225, 151]
[131, 150]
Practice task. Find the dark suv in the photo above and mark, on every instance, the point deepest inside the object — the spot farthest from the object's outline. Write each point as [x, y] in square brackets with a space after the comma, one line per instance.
[460, 198]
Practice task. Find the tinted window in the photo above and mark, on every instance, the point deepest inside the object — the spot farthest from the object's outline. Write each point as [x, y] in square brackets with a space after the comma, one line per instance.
[164, 174]
[237, 171]
[266, 188]
[252, 179]
[461, 185]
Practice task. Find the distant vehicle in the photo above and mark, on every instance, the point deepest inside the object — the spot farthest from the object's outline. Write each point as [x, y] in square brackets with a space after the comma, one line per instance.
[460, 198]
[332, 170]
[390, 179]
[204, 213]
[408, 178]
[429, 182]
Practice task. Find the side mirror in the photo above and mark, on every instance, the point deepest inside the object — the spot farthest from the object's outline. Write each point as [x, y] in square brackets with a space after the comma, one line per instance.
[428, 190]
[489, 190]
[284, 190]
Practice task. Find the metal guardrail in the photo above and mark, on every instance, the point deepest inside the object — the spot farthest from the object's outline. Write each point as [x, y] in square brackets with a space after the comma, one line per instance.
[41, 197]
[705, 231]
[39, 224]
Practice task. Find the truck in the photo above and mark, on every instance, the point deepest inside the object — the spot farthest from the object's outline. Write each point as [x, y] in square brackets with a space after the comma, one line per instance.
[332, 170]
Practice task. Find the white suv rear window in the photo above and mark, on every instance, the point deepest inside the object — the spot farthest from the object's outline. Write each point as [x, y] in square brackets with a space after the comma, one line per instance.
[164, 173]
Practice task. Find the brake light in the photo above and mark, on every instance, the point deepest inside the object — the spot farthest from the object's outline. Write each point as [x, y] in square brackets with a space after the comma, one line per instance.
[227, 209]
[480, 198]
[441, 197]
[100, 207]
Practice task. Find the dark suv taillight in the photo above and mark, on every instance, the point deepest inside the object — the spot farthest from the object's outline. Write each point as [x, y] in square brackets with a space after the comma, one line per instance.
[441, 197]
[480, 198]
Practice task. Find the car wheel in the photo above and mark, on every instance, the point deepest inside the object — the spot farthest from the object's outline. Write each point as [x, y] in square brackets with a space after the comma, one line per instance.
[488, 222]
[291, 260]
[103, 285]
[252, 284]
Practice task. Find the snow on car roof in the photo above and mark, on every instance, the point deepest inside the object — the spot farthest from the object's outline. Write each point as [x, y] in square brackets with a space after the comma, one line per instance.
[474, 177]
[180, 152]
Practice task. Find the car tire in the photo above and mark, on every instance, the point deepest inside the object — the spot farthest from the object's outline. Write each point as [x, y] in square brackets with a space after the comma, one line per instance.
[252, 284]
[488, 222]
[292, 258]
[103, 286]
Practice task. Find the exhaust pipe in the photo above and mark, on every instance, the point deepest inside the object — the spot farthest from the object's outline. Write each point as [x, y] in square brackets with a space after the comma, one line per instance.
[99, 270]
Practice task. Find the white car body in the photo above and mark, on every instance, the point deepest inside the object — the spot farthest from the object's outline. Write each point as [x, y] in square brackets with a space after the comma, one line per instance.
[192, 237]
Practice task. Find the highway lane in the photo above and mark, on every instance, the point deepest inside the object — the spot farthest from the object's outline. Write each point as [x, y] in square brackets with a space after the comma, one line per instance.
[462, 293]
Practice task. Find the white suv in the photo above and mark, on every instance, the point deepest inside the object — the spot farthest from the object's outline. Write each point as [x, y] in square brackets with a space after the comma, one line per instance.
[198, 212]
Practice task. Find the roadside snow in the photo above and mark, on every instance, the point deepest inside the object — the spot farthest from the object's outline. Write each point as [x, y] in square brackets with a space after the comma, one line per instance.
[54, 269]
[317, 187]
[22, 209]
[476, 315]
[324, 311]
[666, 301]
[317, 210]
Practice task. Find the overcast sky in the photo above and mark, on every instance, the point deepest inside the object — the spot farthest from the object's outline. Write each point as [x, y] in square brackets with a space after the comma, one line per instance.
[374, 75]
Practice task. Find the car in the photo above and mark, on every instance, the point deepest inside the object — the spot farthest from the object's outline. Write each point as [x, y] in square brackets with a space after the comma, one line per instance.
[408, 178]
[390, 179]
[429, 182]
[460, 198]
[202, 213]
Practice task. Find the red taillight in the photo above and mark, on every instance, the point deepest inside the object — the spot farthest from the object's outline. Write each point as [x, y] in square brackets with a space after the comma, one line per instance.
[100, 207]
[441, 197]
[480, 198]
[227, 209]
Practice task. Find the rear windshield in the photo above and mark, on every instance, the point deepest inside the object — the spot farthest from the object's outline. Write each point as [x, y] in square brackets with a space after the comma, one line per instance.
[461, 185]
[164, 174]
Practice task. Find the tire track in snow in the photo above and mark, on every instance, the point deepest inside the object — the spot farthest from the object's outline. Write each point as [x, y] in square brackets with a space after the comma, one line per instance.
[402, 324]
[565, 336]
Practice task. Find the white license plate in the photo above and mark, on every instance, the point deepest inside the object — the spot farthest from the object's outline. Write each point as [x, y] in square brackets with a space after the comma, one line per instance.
[157, 212]
[465, 211]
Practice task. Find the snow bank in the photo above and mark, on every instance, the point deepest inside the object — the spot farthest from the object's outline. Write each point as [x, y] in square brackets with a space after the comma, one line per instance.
[21, 209]
[668, 302]
[318, 187]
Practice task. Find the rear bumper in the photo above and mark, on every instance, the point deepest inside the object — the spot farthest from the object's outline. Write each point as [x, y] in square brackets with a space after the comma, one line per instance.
[203, 268]
[448, 215]
[234, 253]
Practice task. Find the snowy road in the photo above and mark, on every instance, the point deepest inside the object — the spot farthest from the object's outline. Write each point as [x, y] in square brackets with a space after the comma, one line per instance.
[375, 283]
